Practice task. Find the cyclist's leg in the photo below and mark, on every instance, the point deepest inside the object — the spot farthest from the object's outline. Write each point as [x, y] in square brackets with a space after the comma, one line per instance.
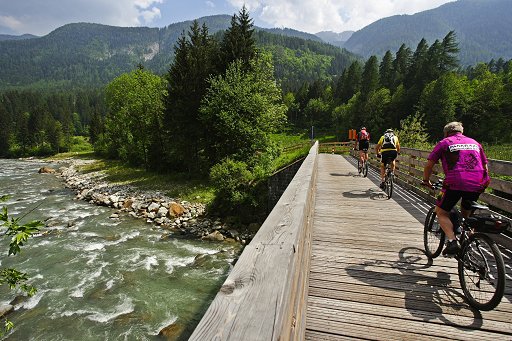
[393, 155]
[385, 159]
[465, 205]
[444, 205]
[383, 167]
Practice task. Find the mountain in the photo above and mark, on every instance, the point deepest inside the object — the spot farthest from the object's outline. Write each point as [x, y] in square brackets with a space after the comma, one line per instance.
[334, 38]
[483, 29]
[292, 33]
[11, 37]
[91, 55]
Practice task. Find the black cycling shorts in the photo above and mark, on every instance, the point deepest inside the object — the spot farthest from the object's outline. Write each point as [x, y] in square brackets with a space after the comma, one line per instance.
[448, 198]
[388, 156]
[364, 145]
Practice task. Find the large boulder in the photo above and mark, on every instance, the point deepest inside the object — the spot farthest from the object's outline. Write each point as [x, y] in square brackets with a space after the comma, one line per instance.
[172, 331]
[176, 210]
[215, 236]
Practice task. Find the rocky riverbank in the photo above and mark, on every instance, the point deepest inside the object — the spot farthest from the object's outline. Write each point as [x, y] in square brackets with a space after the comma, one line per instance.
[174, 217]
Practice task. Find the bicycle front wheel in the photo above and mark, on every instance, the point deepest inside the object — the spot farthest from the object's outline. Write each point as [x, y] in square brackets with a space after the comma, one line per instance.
[482, 272]
[433, 235]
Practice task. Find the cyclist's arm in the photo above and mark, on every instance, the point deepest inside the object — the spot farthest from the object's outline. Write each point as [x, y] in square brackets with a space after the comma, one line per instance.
[378, 146]
[427, 171]
[397, 145]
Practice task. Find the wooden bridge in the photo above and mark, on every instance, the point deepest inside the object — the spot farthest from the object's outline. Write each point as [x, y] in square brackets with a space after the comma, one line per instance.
[336, 260]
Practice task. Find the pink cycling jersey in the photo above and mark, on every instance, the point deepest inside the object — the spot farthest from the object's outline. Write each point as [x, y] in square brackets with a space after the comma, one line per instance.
[463, 162]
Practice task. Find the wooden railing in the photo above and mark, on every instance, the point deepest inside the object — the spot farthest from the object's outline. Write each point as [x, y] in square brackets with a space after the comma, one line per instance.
[335, 147]
[263, 297]
[409, 174]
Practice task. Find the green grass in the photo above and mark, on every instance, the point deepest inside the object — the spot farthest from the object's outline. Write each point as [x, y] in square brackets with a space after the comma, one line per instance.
[499, 152]
[173, 185]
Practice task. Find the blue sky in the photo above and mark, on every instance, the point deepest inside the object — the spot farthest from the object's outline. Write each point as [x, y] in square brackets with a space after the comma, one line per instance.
[40, 17]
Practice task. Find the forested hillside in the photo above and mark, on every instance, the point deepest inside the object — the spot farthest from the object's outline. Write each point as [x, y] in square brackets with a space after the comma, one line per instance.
[482, 28]
[78, 55]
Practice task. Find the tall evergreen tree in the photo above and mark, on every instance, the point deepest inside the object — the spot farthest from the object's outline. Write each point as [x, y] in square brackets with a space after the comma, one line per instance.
[5, 130]
[401, 64]
[352, 83]
[196, 59]
[386, 70]
[450, 49]
[370, 76]
[238, 42]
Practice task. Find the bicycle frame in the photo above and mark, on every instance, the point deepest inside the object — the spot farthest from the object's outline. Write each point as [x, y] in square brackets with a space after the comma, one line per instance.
[481, 268]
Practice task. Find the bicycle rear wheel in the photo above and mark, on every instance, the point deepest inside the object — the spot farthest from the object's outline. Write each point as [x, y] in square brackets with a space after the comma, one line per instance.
[359, 166]
[389, 184]
[482, 272]
[365, 169]
[433, 235]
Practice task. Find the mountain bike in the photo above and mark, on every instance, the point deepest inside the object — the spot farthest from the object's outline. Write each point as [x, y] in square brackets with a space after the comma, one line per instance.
[388, 177]
[362, 166]
[481, 268]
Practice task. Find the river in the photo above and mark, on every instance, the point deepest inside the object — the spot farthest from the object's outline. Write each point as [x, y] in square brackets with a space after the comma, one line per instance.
[99, 278]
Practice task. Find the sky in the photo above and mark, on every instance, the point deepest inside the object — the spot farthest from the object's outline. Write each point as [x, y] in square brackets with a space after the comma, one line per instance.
[40, 17]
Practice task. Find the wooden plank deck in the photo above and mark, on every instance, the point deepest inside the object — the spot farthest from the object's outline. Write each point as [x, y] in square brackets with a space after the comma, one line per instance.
[369, 277]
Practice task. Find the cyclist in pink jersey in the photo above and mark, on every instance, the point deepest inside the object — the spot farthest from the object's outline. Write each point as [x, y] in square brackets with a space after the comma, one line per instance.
[466, 176]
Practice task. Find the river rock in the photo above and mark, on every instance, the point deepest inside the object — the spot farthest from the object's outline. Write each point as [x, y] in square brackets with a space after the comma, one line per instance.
[5, 309]
[162, 212]
[43, 170]
[128, 203]
[153, 207]
[215, 235]
[176, 210]
[172, 331]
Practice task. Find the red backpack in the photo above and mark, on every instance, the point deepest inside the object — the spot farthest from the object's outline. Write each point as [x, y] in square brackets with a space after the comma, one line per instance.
[364, 135]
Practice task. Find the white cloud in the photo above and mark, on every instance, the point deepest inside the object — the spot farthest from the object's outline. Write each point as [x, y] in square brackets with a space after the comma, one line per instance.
[210, 4]
[10, 22]
[330, 15]
[45, 16]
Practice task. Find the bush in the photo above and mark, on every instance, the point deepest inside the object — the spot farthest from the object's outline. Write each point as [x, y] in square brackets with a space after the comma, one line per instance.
[231, 180]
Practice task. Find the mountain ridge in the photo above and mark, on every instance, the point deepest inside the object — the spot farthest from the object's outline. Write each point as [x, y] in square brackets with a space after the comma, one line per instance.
[90, 53]
[482, 28]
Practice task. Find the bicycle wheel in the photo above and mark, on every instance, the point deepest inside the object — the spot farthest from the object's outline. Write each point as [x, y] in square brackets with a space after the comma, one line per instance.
[389, 184]
[365, 169]
[359, 166]
[482, 272]
[433, 235]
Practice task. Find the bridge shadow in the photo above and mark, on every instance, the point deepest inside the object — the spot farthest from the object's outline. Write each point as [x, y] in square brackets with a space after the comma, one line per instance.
[427, 297]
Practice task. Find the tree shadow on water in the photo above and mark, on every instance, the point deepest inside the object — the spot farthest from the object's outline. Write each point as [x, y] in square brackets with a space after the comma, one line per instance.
[428, 295]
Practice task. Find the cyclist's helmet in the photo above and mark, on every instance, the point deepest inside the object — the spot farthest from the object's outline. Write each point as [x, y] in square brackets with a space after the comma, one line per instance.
[363, 128]
[389, 130]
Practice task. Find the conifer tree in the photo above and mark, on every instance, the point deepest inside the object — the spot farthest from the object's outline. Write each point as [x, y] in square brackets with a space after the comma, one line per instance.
[386, 70]
[238, 42]
[196, 59]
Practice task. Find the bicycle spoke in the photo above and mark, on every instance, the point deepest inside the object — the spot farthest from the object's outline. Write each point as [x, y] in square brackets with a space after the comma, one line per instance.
[482, 273]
